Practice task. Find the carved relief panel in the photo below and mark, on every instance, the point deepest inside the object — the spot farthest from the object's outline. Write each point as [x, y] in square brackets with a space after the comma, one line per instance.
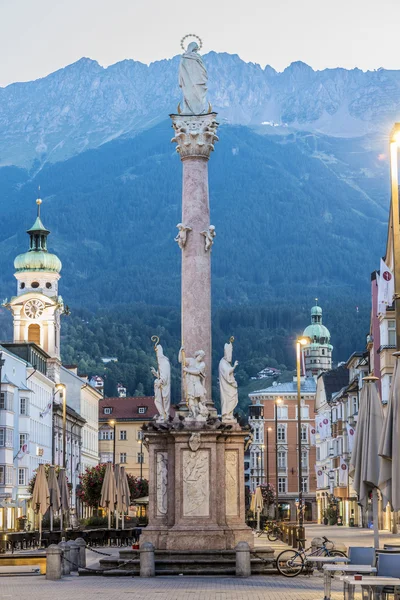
[231, 483]
[162, 484]
[196, 483]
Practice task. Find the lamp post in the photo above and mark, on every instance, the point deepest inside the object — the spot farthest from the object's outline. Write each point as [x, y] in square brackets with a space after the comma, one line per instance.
[141, 459]
[62, 389]
[394, 180]
[302, 341]
[267, 454]
[113, 424]
[262, 464]
[277, 402]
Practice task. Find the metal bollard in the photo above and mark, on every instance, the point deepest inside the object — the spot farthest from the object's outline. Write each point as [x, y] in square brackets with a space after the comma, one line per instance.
[243, 565]
[53, 562]
[65, 565]
[294, 540]
[74, 555]
[290, 536]
[80, 542]
[147, 565]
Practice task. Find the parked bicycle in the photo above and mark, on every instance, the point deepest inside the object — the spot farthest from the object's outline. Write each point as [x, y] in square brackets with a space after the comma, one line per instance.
[271, 530]
[291, 563]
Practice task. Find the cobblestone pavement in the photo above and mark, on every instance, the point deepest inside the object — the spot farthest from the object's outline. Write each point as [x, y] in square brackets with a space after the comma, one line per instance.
[166, 588]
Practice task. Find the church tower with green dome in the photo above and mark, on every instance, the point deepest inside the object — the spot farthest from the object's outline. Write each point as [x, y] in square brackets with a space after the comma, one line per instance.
[37, 307]
[318, 352]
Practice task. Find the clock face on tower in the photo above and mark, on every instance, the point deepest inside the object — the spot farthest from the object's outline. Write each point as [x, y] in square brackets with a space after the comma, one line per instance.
[33, 308]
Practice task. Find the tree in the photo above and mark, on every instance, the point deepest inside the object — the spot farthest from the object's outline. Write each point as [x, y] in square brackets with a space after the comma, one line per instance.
[92, 480]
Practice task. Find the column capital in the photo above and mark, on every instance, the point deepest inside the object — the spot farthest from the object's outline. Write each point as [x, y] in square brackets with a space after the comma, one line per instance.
[195, 135]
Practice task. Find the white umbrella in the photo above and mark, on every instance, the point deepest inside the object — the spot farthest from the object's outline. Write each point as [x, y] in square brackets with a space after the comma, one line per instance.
[41, 497]
[258, 505]
[126, 493]
[55, 496]
[64, 495]
[118, 493]
[108, 492]
[389, 447]
[365, 463]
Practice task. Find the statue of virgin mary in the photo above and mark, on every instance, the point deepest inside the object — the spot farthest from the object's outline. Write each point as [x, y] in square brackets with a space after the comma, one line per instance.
[193, 81]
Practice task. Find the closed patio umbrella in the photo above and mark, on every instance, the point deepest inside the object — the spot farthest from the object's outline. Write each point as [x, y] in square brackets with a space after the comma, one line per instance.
[108, 492]
[55, 496]
[365, 463]
[41, 497]
[126, 493]
[389, 447]
[64, 495]
[258, 504]
[118, 493]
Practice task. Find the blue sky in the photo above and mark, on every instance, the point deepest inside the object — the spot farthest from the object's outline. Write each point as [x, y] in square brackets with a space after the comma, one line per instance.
[41, 36]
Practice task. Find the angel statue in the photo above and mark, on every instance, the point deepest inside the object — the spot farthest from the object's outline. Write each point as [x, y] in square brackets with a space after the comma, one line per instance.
[227, 384]
[209, 235]
[181, 238]
[194, 373]
[162, 384]
[193, 81]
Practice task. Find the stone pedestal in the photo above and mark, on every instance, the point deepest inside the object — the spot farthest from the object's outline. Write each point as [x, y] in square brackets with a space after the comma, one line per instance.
[196, 497]
[195, 136]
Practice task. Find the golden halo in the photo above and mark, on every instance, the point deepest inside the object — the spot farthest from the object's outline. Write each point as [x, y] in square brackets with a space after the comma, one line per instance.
[191, 35]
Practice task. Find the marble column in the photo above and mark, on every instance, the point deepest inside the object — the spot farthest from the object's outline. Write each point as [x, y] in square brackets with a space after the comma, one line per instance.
[195, 136]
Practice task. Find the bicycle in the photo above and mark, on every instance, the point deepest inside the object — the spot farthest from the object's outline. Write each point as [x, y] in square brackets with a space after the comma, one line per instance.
[291, 563]
[272, 531]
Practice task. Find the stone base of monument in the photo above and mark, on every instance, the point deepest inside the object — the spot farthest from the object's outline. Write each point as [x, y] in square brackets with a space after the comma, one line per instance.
[196, 487]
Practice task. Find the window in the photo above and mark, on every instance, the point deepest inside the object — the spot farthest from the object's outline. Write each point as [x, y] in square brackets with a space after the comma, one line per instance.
[304, 484]
[122, 435]
[48, 285]
[6, 475]
[323, 352]
[21, 476]
[281, 433]
[5, 401]
[304, 460]
[142, 410]
[355, 405]
[23, 406]
[140, 434]
[22, 286]
[140, 457]
[391, 332]
[256, 434]
[106, 434]
[107, 410]
[318, 453]
[282, 412]
[6, 437]
[122, 457]
[281, 461]
[304, 433]
[23, 439]
[34, 285]
[281, 485]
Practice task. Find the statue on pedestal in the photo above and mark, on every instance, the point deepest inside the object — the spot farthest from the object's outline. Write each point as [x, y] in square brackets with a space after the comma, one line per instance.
[194, 372]
[181, 238]
[193, 81]
[162, 382]
[228, 384]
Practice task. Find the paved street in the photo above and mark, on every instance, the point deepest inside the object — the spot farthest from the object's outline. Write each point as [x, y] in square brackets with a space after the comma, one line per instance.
[166, 588]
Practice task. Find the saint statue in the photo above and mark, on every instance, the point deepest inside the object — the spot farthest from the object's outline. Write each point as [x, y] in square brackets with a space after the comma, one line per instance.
[194, 373]
[193, 81]
[227, 384]
[162, 384]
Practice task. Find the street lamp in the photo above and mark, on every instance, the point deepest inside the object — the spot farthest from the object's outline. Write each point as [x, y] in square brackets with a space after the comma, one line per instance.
[62, 389]
[301, 341]
[113, 424]
[141, 459]
[277, 402]
[394, 180]
[267, 454]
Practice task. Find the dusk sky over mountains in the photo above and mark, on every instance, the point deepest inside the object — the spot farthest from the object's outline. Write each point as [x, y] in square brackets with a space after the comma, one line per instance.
[37, 38]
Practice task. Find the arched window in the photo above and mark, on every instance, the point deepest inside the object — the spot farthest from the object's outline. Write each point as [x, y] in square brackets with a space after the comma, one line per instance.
[34, 333]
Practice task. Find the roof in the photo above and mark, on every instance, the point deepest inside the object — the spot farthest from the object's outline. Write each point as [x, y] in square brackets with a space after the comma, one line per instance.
[335, 380]
[38, 226]
[128, 408]
[307, 386]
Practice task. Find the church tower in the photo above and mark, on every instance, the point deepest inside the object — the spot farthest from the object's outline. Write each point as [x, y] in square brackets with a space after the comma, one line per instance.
[318, 353]
[37, 307]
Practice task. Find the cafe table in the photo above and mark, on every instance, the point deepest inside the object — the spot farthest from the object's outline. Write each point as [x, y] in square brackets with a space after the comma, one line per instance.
[372, 583]
[331, 568]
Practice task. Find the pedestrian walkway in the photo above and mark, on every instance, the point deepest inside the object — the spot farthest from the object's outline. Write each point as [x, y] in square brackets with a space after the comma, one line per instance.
[167, 588]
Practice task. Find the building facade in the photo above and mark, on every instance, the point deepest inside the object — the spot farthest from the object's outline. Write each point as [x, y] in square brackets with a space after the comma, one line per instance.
[120, 432]
[275, 410]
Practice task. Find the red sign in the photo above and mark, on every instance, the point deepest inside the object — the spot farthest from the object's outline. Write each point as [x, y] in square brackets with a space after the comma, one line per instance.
[387, 276]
